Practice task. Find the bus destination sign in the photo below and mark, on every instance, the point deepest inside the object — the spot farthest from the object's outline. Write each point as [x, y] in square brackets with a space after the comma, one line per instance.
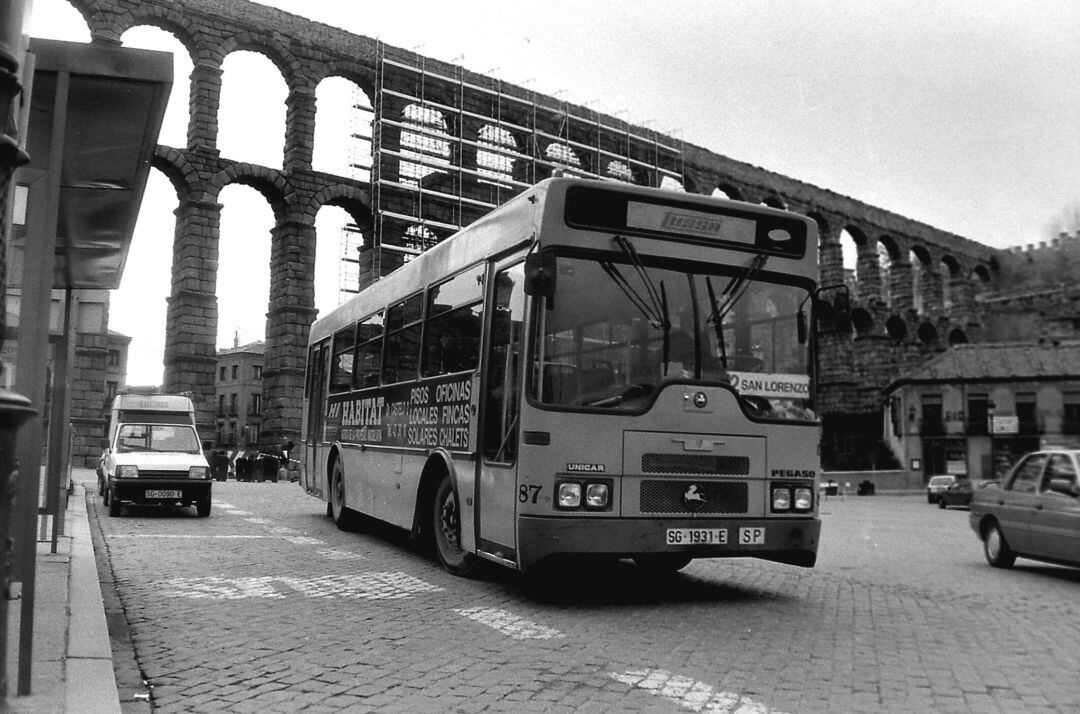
[670, 219]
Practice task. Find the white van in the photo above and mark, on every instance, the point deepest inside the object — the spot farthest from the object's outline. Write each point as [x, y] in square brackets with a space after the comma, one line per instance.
[153, 455]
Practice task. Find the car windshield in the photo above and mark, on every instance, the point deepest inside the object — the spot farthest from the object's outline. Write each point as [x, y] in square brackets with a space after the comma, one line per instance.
[615, 332]
[157, 437]
[941, 480]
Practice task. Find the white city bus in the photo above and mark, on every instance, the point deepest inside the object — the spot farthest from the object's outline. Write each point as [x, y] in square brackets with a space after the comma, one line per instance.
[591, 369]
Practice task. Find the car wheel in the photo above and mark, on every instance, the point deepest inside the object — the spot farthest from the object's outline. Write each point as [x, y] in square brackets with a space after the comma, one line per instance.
[114, 504]
[996, 548]
[941, 503]
[446, 530]
[202, 507]
[660, 563]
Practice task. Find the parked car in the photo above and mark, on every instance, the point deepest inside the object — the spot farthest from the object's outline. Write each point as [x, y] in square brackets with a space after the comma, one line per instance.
[957, 494]
[936, 485]
[1034, 512]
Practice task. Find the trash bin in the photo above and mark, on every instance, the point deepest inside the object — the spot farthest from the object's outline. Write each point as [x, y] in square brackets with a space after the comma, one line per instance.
[268, 466]
[244, 466]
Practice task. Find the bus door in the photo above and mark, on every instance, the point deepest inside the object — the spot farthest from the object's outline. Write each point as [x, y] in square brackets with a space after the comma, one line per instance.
[498, 433]
[316, 415]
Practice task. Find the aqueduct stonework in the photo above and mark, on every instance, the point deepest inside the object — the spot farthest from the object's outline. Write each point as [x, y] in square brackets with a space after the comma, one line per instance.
[929, 284]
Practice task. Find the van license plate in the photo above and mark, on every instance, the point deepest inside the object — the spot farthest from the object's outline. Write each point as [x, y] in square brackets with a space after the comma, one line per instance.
[696, 536]
[161, 493]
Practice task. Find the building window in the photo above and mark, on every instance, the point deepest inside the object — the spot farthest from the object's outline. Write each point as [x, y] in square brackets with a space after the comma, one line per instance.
[1070, 423]
[932, 421]
[221, 374]
[978, 414]
[235, 371]
[256, 371]
[221, 403]
[1026, 414]
[256, 405]
[113, 359]
[232, 404]
[110, 391]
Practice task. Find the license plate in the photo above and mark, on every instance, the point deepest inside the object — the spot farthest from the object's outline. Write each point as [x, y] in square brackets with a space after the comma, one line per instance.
[752, 536]
[696, 536]
[163, 493]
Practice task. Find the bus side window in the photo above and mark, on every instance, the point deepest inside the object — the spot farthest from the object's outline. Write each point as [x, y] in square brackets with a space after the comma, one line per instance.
[401, 360]
[341, 368]
[368, 352]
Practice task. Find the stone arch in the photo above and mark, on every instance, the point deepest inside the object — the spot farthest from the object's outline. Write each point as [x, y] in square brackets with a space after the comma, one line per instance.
[889, 265]
[853, 243]
[920, 260]
[730, 190]
[949, 270]
[292, 71]
[774, 200]
[356, 203]
[176, 167]
[363, 77]
[425, 143]
[271, 183]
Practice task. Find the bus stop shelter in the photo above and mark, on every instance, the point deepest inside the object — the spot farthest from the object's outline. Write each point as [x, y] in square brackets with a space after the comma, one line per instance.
[90, 128]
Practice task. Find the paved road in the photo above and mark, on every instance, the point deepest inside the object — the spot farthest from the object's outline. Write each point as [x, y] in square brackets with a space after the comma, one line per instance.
[266, 606]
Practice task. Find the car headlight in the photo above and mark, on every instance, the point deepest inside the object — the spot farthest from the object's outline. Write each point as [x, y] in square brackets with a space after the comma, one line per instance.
[127, 471]
[198, 472]
[569, 495]
[804, 499]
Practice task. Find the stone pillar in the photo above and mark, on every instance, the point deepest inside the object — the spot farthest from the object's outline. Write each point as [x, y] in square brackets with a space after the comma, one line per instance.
[830, 256]
[868, 271]
[900, 283]
[191, 322]
[203, 106]
[288, 322]
[299, 129]
[962, 289]
[933, 296]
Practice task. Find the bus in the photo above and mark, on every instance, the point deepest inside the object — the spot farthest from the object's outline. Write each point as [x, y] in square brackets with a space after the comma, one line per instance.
[591, 369]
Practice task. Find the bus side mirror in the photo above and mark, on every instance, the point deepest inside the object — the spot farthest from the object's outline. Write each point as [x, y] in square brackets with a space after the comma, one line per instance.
[540, 270]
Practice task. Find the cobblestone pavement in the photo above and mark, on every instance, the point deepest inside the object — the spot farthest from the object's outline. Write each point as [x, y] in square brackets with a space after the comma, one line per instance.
[266, 606]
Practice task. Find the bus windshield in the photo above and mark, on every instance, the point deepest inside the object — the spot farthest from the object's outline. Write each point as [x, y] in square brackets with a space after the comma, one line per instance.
[615, 332]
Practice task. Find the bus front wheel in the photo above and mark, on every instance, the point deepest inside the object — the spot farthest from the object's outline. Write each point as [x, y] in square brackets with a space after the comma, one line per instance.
[446, 529]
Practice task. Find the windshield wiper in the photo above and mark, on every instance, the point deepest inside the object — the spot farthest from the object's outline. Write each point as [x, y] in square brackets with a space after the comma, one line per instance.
[731, 294]
[654, 304]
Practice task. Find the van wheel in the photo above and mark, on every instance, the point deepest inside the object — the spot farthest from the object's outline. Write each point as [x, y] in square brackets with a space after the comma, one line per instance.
[996, 548]
[941, 503]
[202, 507]
[344, 518]
[446, 530]
[114, 503]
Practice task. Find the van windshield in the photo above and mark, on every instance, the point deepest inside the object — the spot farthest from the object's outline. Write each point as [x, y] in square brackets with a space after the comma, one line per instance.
[157, 437]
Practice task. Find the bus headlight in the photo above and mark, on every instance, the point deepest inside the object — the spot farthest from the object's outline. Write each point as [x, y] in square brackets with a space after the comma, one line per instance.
[127, 471]
[198, 472]
[781, 498]
[804, 499]
[569, 495]
[596, 495]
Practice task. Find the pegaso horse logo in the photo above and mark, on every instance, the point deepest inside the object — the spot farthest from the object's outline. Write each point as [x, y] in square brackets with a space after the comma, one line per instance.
[693, 498]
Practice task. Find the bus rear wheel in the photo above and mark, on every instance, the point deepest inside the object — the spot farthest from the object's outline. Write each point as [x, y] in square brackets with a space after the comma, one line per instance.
[344, 519]
[446, 530]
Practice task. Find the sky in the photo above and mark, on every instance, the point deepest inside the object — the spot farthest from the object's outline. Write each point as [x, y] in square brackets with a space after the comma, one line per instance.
[964, 115]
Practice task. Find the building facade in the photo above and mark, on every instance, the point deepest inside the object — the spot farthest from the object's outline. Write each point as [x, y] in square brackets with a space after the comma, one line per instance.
[239, 396]
[974, 409]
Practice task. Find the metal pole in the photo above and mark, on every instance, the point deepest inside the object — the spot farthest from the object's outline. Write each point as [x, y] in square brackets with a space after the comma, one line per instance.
[31, 373]
[60, 416]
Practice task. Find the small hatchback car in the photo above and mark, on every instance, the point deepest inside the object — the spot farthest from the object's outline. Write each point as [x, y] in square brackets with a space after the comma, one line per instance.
[1034, 512]
[936, 485]
[957, 494]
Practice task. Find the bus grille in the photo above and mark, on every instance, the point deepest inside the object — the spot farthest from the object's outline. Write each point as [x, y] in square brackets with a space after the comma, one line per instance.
[716, 497]
[695, 464]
